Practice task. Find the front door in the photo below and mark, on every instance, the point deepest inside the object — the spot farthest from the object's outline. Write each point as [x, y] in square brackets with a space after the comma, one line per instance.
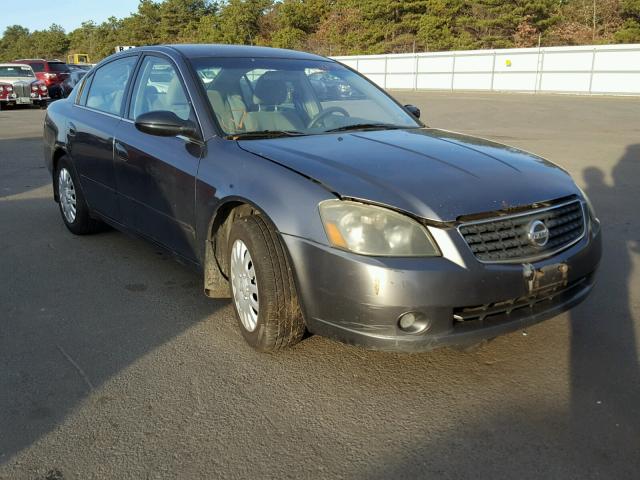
[156, 175]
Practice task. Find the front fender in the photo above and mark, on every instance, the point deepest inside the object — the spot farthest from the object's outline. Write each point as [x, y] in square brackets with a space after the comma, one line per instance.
[229, 174]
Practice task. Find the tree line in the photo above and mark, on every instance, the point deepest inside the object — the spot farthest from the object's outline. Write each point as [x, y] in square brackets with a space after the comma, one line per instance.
[341, 27]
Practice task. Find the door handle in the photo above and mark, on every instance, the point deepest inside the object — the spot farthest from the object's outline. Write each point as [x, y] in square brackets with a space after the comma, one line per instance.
[72, 129]
[122, 151]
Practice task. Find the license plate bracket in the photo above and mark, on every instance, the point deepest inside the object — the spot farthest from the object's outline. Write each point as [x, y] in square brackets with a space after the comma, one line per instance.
[548, 277]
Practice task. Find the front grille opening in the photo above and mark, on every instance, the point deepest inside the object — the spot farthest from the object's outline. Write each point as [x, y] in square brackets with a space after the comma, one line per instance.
[505, 239]
[539, 300]
[22, 90]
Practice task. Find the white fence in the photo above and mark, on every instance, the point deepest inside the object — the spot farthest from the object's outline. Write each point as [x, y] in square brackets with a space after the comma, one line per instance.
[601, 69]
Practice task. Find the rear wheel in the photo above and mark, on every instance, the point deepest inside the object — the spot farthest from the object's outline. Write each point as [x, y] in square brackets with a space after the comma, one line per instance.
[262, 286]
[73, 207]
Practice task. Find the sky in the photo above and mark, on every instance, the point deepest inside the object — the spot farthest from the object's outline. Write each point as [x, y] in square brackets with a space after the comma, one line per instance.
[40, 14]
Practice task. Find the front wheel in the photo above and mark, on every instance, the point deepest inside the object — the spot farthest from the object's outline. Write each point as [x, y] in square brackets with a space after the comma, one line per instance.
[73, 207]
[262, 286]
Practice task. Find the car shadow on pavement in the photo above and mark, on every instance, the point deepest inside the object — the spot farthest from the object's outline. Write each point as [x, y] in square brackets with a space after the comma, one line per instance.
[605, 376]
[75, 311]
[21, 166]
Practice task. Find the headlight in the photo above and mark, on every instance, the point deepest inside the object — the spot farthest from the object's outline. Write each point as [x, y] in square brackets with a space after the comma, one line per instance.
[370, 230]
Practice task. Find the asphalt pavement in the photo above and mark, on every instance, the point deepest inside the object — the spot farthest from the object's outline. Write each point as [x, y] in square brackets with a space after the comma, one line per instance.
[113, 364]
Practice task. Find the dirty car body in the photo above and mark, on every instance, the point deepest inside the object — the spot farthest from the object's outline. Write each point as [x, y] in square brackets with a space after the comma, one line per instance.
[399, 236]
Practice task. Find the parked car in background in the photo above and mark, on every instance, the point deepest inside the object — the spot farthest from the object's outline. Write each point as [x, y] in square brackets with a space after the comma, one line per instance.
[51, 72]
[71, 81]
[348, 218]
[20, 86]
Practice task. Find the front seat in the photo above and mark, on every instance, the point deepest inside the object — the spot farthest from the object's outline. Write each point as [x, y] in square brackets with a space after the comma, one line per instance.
[269, 94]
[226, 99]
[175, 99]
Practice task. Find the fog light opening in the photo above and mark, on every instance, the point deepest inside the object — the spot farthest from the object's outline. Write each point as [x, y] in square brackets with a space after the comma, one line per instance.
[413, 322]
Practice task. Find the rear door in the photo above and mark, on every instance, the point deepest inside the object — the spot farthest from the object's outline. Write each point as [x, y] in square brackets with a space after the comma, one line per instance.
[156, 175]
[91, 131]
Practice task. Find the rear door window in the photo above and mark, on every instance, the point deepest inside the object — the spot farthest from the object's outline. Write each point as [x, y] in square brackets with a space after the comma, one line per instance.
[107, 90]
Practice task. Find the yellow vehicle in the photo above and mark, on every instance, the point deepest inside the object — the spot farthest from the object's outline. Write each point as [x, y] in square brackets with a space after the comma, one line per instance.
[76, 58]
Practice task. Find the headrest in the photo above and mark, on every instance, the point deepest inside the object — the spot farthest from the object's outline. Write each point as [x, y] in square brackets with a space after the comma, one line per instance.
[175, 93]
[270, 89]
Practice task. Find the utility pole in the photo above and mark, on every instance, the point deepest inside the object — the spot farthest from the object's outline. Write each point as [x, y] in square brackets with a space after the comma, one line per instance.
[593, 31]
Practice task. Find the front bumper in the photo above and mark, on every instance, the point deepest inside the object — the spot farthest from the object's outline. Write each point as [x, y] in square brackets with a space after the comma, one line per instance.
[358, 299]
[13, 99]
[9, 99]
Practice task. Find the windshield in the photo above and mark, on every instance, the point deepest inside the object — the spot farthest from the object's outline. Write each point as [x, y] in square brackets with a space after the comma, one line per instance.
[16, 71]
[254, 96]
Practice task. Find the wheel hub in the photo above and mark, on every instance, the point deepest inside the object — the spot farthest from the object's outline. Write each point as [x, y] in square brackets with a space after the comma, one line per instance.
[67, 195]
[244, 285]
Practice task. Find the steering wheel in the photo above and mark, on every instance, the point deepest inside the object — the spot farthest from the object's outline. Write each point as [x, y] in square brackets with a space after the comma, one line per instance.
[325, 113]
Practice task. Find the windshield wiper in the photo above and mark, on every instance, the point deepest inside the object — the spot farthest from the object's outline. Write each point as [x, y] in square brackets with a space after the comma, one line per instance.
[365, 126]
[265, 134]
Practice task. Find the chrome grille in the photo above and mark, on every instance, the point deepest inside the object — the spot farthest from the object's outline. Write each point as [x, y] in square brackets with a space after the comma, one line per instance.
[505, 239]
[22, 89]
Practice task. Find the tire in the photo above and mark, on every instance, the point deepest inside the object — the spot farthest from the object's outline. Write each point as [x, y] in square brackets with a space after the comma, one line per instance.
[79, 223]
[278, 323]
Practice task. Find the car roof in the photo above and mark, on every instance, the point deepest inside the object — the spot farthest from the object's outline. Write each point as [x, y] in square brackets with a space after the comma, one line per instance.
[14, 64]
[230, 51]
[39, 60]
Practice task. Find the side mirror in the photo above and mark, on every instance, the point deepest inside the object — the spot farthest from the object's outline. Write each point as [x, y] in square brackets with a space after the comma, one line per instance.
[165, 124]
[413, 110]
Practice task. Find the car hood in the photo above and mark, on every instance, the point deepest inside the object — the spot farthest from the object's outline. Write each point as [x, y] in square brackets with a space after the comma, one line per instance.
[14, 80]
[434, 174]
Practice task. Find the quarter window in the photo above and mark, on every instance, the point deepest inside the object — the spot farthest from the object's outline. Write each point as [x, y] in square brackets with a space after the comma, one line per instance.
[107, 90]
[158, 87]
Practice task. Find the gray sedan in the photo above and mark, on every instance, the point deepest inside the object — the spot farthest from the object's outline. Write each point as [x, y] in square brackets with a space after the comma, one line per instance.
[343, 216]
